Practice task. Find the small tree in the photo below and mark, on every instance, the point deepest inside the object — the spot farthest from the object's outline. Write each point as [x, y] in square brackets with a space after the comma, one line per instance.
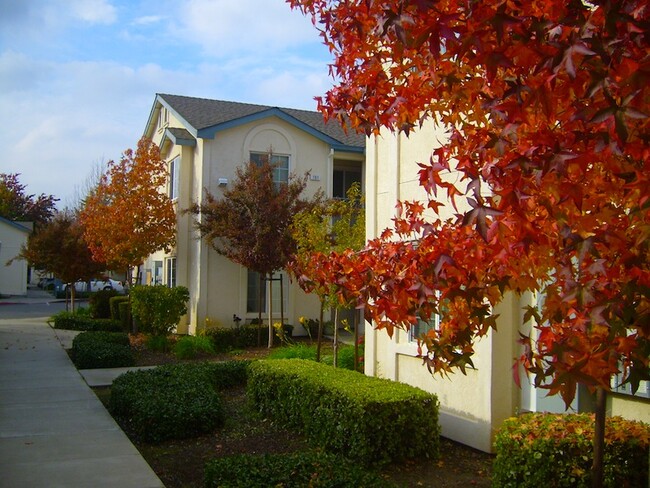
[15, 204]
[334, 226]
[127, 216]
[59, 247]
[250, 225]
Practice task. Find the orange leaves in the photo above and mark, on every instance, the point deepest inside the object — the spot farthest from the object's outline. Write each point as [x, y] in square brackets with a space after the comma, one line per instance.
[546, 108]
[128, 216]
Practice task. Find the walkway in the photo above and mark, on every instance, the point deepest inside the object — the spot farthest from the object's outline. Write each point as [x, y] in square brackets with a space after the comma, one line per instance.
[54, 432]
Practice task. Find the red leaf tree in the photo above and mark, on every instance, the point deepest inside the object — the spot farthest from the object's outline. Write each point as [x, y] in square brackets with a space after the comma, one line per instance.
[58, 247]
[546, 105]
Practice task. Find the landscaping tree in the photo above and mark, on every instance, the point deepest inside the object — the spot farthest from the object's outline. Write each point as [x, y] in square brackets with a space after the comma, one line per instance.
[546, 106]
[127, 216]
[58, 247]
[250, 224]
[15, 204]
[334, 226]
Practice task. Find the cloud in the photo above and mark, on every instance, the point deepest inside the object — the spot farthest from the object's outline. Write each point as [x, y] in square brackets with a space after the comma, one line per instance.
[222, 27]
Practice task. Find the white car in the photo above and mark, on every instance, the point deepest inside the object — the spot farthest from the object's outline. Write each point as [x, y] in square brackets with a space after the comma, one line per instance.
[99, 284]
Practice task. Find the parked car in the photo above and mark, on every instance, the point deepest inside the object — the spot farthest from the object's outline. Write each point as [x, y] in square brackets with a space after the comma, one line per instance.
[49, 284]
[97, 285]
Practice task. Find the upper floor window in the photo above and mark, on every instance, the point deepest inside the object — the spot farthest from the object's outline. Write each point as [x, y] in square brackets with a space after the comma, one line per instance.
[174, 176]
[280, 164]
[163, 118]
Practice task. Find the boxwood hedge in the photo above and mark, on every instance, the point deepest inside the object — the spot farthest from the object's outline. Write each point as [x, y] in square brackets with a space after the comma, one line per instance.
[372, 420]
[295, 470]
[75, 321]
[555, 450]
[101, 350]
[174, 401]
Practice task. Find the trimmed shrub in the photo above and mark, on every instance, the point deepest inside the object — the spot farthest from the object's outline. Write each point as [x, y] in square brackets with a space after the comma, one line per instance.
[174, 401]
[189, 347]
[295, 470]
[371, 420]
[114, 304]
[159, 308]
[91, 350]
[99, 304]
[82, 321]
[556, 450]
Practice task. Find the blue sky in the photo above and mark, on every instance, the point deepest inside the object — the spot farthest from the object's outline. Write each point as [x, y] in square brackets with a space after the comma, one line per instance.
[78, 77]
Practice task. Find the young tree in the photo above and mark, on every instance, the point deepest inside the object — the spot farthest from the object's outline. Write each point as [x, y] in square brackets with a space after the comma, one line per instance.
[58, 247]
[547, 111]
[334, 226]
[127, 216]
[250, 225]
[15, 204]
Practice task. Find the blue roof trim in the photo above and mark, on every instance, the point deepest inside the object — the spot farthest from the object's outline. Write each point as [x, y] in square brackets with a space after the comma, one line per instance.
[179, 141]
[16, 225]
[210, 132]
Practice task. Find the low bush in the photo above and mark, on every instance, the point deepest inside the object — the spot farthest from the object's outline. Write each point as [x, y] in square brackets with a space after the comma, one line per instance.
[158, 308]
[91, 350]
[372, 420]
[99, 304]
[159, 343]
[225, 339]
[295, 470]
[174, 401]
[190, 347]
[82, 321]
[555, 450]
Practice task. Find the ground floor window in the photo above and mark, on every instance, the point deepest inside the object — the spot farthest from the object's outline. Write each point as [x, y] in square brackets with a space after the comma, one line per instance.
[170, 265]
[253, 292]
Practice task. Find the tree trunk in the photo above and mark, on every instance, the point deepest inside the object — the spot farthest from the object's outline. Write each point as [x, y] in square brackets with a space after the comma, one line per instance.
[355, 323]
[282, 306]
[599, 439]
[262, 289]
[335, 341]
[72, 293]
[270, 309]
[319, 334]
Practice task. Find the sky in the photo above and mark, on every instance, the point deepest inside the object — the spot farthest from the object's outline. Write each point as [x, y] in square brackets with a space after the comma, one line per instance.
[78, 78]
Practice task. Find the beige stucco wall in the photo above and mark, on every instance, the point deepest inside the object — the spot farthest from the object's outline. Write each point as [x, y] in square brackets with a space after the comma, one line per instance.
[13, 278]
[218, 287]
[629, 407]
[472, 406]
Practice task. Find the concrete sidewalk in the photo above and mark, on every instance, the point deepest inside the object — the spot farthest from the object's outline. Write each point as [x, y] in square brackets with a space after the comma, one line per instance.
[54, 432]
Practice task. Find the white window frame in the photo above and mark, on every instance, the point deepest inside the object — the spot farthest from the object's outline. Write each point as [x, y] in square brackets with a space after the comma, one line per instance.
[174, 177]
[251, 307]
[170, 271]
[280, 172]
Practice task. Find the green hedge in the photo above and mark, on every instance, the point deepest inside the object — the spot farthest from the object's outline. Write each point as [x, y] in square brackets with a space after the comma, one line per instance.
[174, 401]
[114, 305]
[556, 450]
[99, 303]
[372, 420]
[295, 470]
[91, 350]
[189, 347]
[83, 322]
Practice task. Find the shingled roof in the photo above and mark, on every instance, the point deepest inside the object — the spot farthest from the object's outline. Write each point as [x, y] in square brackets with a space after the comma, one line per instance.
[206, 117]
